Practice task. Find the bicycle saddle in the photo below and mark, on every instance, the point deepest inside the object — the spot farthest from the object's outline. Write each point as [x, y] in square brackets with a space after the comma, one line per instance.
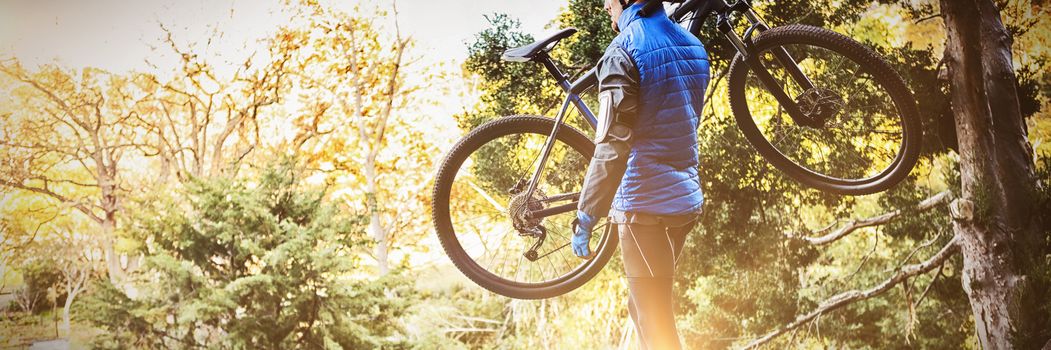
[526, 53]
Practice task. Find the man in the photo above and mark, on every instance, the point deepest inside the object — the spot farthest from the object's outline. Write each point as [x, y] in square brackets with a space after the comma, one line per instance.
[652, 80]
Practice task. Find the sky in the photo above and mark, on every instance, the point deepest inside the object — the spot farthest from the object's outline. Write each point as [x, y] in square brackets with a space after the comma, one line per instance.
[121, 36]
[117, 35]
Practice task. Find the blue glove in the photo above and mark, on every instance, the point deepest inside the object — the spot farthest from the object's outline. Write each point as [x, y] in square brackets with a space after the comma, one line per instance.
[582, 234]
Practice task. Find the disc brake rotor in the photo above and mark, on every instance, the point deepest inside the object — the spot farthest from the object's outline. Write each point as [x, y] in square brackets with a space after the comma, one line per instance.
[819, 104]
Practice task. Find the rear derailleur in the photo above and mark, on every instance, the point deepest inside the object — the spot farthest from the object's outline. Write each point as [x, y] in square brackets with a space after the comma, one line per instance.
[519, 209]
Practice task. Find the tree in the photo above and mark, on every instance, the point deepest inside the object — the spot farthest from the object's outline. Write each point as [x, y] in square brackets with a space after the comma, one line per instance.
[996, 215]
[80, 138]
[257, 264]
[770, 254]
[748, 208]
[361, 123]
[203, 124]
[67, 139]
[1000, 216]
[57, 254]
[22, 220]
[27, 298]
[5, 254]
[75, 256]
[507, 88]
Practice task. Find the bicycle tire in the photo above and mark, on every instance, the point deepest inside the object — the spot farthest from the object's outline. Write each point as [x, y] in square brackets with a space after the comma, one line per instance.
[444, 226]
[882, 73]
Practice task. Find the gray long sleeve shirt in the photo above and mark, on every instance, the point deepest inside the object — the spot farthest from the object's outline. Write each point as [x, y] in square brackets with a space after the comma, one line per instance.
[618, 80]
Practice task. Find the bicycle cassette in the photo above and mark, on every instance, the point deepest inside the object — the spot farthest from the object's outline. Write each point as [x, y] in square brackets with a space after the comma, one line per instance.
[519, 208]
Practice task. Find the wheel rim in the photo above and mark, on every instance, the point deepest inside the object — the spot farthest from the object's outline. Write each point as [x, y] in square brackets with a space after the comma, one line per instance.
[480, 205]
[863, 143]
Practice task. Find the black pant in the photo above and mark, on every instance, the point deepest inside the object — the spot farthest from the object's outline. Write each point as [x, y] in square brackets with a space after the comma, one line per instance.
[650, 251]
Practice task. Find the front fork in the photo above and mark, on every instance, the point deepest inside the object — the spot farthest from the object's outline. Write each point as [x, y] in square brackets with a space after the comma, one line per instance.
[750, 55]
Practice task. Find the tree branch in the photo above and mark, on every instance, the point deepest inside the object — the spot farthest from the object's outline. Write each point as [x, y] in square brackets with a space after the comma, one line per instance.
[392, 87]
[927, 204]
[927, 18]
[849, 297]
[47, 192]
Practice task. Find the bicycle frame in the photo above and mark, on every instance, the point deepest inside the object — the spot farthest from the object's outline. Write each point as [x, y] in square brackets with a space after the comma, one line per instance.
[701, 10]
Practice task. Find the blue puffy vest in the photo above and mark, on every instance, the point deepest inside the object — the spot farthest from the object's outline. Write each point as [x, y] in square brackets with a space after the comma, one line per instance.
[661, 177]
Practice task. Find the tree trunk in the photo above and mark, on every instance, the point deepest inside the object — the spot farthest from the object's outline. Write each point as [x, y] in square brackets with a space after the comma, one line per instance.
[65, 316]
[76, 276]
[1000, 230]
[381, 250]
[376, 229]
[113, 269]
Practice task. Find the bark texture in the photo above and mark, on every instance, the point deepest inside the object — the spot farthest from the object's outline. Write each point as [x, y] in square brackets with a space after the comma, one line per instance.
[1001, 236]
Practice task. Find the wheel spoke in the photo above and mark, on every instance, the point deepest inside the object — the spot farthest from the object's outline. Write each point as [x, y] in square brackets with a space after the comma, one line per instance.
[499, 208]
[854, 142]
[482, 207]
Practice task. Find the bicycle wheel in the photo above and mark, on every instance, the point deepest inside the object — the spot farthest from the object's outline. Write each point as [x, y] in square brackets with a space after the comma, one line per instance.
[866, 136]
[479, 208]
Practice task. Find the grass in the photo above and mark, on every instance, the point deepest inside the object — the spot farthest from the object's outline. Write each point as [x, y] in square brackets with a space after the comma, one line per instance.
[19, 330]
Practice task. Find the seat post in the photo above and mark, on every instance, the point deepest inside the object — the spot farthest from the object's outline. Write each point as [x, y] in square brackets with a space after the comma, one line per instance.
[563, 81]
[543, 58]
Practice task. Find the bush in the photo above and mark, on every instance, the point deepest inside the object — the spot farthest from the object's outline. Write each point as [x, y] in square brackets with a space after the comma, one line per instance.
[39, 274]
[265, 266]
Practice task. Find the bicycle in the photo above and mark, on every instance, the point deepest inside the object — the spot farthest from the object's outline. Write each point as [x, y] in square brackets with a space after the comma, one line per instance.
[793, 77]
